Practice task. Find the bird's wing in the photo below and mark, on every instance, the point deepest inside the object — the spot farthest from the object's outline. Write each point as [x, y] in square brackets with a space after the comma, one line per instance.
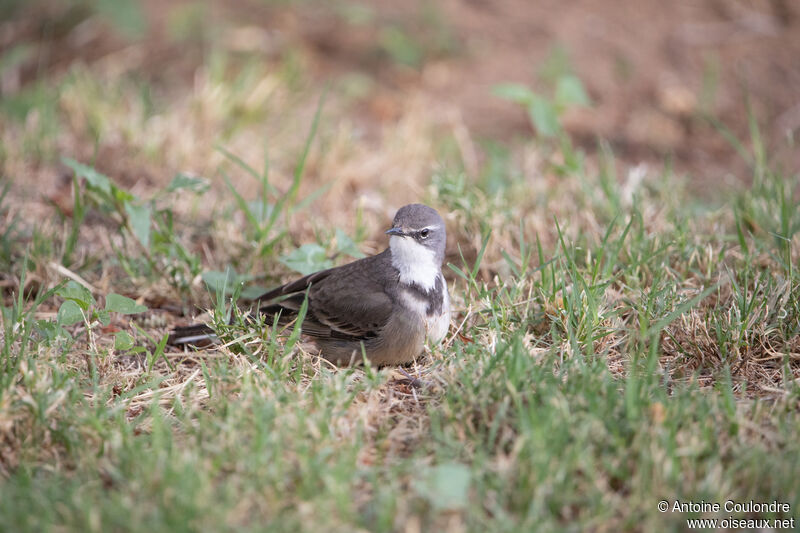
[297, 285]
[347, 302]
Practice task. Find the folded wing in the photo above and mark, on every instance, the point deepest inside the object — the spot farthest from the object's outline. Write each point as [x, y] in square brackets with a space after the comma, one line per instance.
[348, 302]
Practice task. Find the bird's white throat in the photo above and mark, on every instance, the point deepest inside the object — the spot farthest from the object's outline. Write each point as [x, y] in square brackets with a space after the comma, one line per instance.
[416, 263]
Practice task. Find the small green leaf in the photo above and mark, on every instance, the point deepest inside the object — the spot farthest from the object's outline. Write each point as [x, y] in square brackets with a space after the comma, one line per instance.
[121, 196]
[514, 92]
[252, 292]
[50, 329]
[103, 316]
[261, 211]
[127, 16]
[400, 47]
[123, 341]
[93, 178]
[185, 181]
[139, 217]
[446, 486]
[570, 91]
[544, 116]
[69, 313]
[346, 245]
[307, 259]
[77, 293]
[122, 304]
[217, 280]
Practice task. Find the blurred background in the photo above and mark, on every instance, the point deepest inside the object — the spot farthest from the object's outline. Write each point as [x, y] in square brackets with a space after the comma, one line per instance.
[619, 182]
[659, 82]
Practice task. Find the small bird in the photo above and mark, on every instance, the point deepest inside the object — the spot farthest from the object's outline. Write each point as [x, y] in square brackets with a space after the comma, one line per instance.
[387, 305]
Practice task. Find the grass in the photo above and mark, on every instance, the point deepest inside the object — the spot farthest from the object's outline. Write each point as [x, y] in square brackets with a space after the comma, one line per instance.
[616, 341]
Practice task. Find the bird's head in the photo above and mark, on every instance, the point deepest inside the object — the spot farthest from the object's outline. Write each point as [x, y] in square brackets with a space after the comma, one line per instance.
[418, 235]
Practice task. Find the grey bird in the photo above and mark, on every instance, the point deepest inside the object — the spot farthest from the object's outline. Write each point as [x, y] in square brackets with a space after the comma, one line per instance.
[385, 306]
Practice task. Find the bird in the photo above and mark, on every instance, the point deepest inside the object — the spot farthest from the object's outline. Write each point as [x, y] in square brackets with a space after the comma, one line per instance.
[383, 307]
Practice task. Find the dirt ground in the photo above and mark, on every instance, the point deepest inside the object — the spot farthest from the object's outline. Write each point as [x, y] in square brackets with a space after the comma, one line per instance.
[649, 68]
[653, 70]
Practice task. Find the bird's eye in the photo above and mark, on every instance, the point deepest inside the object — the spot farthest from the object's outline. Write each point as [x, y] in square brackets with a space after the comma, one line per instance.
[424, 233]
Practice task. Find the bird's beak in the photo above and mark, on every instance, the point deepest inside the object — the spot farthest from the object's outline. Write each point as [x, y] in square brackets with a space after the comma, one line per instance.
[395, 231]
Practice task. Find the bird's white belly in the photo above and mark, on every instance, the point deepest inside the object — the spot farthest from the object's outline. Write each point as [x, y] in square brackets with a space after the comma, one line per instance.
[437, 326]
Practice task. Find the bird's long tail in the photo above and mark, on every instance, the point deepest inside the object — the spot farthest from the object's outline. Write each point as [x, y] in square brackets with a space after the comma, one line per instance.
[201, 335]
[194, 334]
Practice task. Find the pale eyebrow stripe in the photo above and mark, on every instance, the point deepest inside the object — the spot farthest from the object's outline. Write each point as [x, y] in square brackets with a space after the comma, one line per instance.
[429, 228]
